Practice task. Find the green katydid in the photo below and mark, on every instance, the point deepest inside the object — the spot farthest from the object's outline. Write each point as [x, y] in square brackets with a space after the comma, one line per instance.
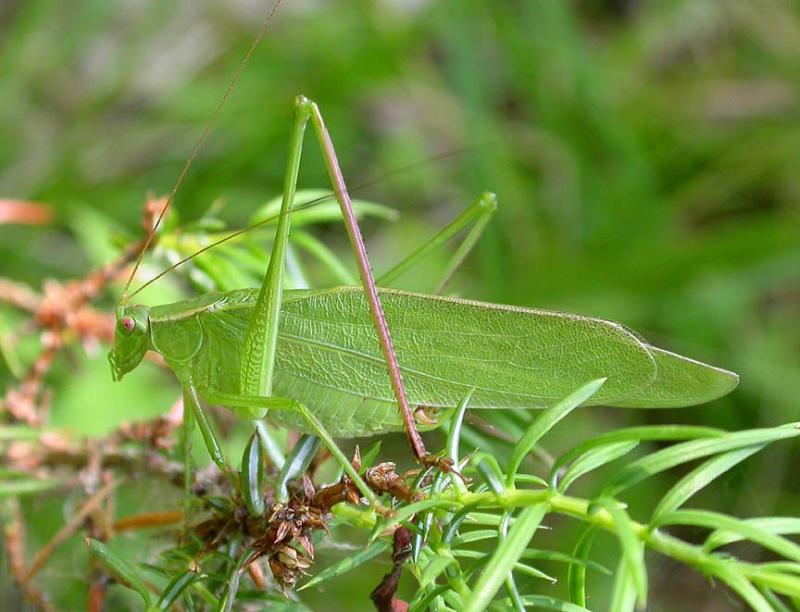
[328, 358]
[317, 360]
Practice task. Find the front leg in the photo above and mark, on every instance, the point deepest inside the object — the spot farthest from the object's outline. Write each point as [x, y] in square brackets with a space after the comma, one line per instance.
[195, 411]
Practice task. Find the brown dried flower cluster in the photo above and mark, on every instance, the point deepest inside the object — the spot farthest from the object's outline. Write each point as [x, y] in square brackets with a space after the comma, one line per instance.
[63, 315]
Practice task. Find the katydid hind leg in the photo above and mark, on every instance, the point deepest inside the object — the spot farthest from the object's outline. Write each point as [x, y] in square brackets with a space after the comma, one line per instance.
[476, 216]
[367, 280]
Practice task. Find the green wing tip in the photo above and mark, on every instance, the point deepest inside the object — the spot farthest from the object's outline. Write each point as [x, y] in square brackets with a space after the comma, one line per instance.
[681, 382]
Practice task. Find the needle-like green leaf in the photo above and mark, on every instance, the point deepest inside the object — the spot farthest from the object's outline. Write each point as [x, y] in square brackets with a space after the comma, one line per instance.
[632, 551]
[635, 434]
[296, 463]
[176, 587]
[623, 598]
[120, 568]
[490, 471]
[593, 459]
[251, 476]
[576, 573]
[781, 525]
[699, 478]
[407, 512]
[753, 532]
[694, 449]
[347, 564]
[746, 590]
[542, 602]
[507, 554]
[545, 421]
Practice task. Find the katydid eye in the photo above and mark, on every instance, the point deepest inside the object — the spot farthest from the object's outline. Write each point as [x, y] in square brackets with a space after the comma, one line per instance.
[128, 324]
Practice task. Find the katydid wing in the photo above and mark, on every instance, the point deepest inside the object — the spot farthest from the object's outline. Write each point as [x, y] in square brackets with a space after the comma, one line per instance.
[328, 359]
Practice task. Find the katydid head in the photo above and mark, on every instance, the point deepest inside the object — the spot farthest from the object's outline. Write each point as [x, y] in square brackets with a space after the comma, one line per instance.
[131, 339]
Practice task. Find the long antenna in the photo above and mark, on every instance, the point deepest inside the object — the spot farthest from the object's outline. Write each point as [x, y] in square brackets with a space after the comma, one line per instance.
[305, 205]
[200, 142]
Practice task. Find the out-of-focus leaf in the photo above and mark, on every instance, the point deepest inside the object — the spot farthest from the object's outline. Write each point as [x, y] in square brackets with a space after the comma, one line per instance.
[27, 486]
[24, 213]
[319, 206]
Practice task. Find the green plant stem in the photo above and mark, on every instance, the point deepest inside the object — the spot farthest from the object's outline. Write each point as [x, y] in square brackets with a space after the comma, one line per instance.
[579, 508]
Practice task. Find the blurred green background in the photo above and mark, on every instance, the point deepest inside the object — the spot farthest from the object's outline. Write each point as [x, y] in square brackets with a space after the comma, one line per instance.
[645, 156]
